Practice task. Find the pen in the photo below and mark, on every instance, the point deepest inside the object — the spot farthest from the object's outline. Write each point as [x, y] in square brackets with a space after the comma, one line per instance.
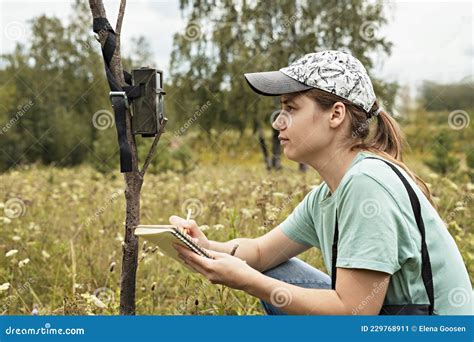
[234, 249]
[188, 216]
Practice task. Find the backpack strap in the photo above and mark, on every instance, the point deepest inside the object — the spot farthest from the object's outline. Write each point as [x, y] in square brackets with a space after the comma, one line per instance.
[426, 271]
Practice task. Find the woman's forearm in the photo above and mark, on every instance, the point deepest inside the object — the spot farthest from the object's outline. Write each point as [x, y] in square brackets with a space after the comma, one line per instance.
[293, 299]
[247, 250]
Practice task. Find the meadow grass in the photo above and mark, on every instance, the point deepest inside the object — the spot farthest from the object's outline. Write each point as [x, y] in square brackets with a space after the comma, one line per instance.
[62, 254]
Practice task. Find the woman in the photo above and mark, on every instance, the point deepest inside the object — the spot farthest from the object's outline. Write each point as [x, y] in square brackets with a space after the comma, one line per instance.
[372, 218]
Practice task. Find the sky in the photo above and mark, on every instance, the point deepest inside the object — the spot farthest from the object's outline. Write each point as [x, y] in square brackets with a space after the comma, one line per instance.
[432, 40]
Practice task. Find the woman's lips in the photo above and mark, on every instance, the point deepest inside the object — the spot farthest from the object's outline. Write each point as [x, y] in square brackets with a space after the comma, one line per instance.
[284, 141]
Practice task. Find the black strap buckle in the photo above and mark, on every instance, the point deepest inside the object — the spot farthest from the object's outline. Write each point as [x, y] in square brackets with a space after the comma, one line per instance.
[120, 94]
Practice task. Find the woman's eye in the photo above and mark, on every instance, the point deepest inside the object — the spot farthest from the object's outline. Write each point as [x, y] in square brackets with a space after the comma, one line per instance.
[289, 109]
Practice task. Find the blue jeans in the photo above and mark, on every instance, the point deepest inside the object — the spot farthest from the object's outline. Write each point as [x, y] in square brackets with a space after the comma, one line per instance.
[295, 272]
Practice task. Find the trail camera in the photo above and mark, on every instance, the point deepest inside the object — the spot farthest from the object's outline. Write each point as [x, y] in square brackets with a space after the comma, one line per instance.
[148, 109]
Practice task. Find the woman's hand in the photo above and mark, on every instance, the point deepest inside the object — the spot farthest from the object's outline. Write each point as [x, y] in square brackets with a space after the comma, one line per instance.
[192, 229]
[223, 269]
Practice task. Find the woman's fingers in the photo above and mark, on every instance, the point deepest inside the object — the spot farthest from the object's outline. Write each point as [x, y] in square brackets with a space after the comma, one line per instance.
[192, 259]
[177, 221]
[181, 222]
[216, 255]
[189, 226]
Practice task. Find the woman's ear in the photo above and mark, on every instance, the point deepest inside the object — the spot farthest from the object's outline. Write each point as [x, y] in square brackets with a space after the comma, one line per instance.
[337, 115]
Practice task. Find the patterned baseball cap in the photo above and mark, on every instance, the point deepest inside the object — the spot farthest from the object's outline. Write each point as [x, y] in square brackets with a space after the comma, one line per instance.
[333, 71]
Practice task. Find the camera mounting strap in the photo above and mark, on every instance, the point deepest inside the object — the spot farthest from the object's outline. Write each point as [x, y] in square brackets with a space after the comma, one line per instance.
[119, 96]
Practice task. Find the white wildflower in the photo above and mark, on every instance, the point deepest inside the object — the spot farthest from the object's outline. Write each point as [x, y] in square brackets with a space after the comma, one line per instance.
[5, 220]
[218, 226]
[246, 213]
[4, 287]
[23, 262]
[97, 302]
[279, 195]
[204, 227]
[11, 252]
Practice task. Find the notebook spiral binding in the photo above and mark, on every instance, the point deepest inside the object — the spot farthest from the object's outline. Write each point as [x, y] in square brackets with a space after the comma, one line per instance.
[191, 244]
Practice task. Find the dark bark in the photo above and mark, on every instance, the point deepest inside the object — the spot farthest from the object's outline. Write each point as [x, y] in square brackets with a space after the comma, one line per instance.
[263, 146]
[276, 150]
[130, 246]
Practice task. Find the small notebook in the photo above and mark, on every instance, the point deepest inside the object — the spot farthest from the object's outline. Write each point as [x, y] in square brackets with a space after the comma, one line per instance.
[165, 235]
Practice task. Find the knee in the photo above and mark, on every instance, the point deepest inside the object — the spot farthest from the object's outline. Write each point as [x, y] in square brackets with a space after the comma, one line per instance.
[297, 272]
[281, 271]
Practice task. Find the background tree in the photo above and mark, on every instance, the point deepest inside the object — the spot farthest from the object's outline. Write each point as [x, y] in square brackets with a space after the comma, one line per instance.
[224, 39]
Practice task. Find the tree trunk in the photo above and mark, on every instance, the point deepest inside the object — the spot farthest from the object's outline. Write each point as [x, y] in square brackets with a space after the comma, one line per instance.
[133, 180]
[130, 245]
[263, 146]
[276, 150]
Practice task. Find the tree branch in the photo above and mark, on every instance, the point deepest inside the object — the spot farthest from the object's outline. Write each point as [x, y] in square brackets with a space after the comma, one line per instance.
[153, 147]
[97, 8]
[118, 26]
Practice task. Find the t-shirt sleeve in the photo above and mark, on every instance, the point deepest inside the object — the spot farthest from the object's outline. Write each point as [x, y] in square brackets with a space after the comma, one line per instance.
[369, 218]
[299, 225]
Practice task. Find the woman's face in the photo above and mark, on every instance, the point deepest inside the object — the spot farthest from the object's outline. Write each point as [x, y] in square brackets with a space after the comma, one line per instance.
[304, 128]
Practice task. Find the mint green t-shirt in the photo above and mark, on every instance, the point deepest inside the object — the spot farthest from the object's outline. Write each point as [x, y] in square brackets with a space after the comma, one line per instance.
[378, 231]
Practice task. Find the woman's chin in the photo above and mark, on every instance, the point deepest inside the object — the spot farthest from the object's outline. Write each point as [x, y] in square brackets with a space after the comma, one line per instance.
[288, 154]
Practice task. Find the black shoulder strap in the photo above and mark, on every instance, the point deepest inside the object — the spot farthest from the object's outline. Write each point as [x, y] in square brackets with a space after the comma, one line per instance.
[426, 272]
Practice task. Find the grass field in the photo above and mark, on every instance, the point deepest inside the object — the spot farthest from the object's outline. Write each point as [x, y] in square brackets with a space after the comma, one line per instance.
[62, 229]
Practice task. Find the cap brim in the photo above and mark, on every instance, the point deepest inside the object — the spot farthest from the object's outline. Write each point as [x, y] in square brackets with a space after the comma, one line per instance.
[274, 83]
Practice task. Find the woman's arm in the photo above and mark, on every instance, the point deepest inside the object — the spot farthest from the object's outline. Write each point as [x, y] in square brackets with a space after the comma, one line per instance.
[358, 292]
[264, 252]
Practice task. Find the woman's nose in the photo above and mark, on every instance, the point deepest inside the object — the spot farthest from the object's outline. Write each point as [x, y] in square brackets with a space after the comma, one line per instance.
[282, 121]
